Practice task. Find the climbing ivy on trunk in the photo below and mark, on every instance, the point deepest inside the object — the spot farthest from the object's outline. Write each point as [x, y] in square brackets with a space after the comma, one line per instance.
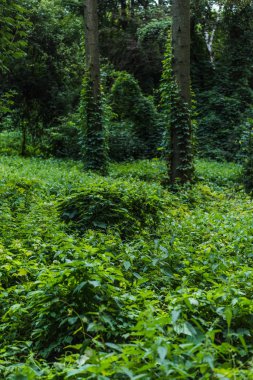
[95, 153]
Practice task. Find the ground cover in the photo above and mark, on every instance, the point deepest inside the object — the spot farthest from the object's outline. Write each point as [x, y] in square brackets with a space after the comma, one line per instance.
[160, 288]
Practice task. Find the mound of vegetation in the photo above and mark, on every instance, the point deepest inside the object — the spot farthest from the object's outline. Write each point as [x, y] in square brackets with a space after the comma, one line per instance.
[129, 208]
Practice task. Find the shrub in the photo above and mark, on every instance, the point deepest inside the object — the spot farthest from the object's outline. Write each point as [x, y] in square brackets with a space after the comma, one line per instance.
[219, 129]
[74, 302]
[129, 104]
[18, 194]
[63, 140]
[119, 205]
[10, 142]
[123, 142]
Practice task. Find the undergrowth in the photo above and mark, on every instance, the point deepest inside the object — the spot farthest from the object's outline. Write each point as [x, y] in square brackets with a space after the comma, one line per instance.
[117, 278]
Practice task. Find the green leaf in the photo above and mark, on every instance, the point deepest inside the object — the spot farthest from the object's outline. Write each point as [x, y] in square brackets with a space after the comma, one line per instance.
[162, 352]
[228, 315]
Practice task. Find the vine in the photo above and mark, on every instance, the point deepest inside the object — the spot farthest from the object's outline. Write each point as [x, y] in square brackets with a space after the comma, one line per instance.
[178, 115]
[94, 141]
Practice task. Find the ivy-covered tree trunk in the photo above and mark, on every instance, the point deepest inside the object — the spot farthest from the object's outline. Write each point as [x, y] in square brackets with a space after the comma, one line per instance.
[95, 155]
[181, 166]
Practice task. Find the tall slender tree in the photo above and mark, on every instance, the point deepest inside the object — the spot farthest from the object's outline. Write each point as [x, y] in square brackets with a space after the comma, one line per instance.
[95, 155]
[181, 166]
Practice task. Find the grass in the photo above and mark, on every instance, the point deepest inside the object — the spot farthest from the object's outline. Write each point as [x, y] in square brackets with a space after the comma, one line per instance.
[170, 301]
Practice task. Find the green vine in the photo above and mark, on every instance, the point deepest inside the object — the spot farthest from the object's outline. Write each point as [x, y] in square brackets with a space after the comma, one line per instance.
[94, 141]
[178, 117]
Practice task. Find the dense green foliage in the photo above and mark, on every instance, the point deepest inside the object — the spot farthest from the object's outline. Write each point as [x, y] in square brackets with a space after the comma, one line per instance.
[127, 208]
[13, 27]
[12, 32]
[130, 105]
[43, 59]
[171, 300]
[46, 80]
[225, 95]
[115, 277]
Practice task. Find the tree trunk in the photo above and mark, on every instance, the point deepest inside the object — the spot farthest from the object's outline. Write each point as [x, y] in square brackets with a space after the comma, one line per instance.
[91, 45]
[95, 148]
[181, 168]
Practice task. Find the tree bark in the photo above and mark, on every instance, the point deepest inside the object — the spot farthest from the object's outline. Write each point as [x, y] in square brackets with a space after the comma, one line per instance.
[181, 135]
[181, 41]
[92, 45]
[95, 153]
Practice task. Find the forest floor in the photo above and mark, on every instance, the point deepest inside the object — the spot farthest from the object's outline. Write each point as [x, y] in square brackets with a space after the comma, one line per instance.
[118, 278]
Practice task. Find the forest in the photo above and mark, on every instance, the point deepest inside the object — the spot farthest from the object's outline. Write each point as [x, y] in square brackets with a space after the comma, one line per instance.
[126, 184]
